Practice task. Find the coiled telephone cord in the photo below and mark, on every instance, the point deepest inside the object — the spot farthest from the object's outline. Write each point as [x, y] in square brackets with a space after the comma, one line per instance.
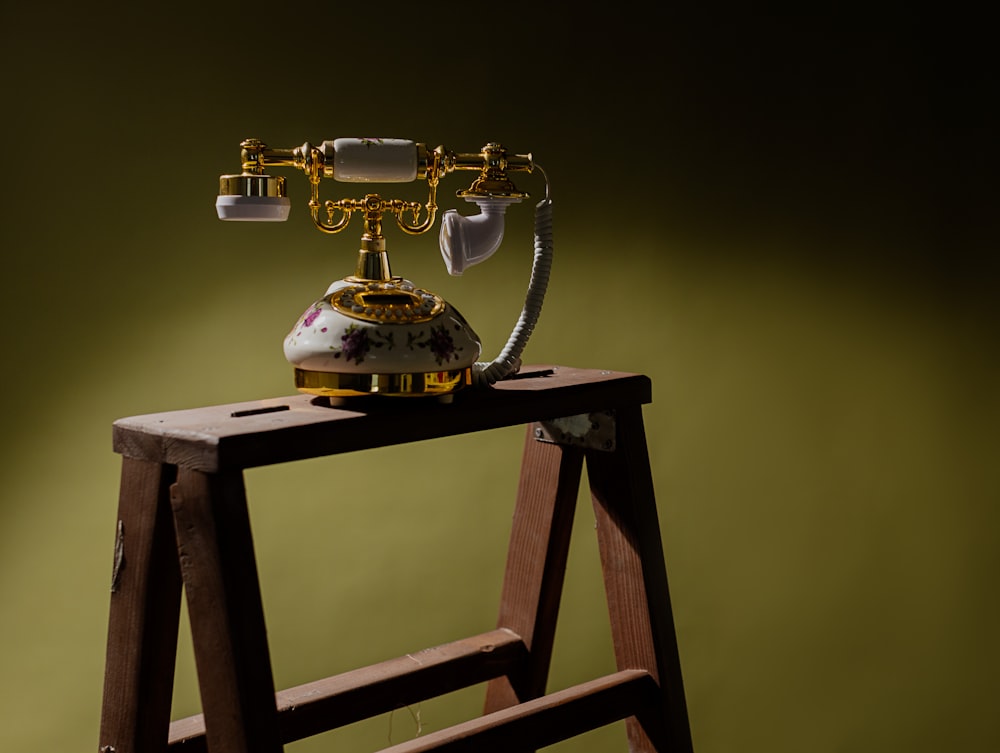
[508, 362]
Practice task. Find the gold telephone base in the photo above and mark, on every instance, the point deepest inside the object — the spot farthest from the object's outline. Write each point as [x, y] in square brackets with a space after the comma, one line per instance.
[331, 384]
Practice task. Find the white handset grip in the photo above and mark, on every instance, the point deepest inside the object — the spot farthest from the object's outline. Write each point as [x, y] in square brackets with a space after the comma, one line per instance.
[373, 160]
[466, 241]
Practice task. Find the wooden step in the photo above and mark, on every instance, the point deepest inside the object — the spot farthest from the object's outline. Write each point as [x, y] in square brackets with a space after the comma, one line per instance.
[546, 720]
[349, 697]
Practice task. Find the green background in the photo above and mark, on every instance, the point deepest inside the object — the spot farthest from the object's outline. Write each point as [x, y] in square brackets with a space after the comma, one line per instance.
[783, 219]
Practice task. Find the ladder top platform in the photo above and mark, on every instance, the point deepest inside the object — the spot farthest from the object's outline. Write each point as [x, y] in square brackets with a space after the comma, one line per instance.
[277, 430]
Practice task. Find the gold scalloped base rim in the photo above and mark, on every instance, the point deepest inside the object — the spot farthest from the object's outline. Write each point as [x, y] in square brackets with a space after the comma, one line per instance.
[333, 384]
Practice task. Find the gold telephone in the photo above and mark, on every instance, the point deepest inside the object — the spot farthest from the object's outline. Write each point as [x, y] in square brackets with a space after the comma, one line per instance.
[373, 332]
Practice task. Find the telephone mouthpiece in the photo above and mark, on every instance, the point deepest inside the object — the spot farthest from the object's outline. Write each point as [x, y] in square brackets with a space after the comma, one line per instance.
[468, 240]
[250, 197]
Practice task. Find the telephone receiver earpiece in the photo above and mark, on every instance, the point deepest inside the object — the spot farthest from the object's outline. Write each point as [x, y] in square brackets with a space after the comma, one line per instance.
[469, 240]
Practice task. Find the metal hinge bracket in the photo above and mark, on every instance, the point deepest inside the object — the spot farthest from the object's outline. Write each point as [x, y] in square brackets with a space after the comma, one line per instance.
[592, 431]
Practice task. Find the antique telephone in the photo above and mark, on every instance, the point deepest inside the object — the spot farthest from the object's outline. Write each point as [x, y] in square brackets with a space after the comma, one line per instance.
[373, 332]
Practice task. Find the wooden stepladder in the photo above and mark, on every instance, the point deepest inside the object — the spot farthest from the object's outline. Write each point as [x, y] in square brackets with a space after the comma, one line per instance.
[183, 524]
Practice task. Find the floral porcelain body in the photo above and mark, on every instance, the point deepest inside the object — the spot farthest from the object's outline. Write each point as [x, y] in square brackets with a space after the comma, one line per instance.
[381, 336]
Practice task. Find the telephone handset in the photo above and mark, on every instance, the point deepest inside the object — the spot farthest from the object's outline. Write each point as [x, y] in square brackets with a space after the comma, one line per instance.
[373, 332]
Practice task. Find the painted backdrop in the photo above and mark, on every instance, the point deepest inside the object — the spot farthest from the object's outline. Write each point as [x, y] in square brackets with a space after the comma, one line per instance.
[782, 219]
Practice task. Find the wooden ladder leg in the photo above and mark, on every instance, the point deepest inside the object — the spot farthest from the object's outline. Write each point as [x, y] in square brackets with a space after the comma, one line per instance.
[227, 617]
[536, 564]
[144, 615]
[635, 579]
